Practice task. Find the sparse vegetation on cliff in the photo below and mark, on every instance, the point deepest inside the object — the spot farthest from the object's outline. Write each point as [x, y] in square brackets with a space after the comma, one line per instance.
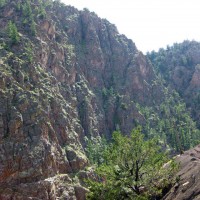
[66, 75]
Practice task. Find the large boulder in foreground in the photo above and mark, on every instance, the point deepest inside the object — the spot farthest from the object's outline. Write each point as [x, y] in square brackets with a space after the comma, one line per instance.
[188, 177]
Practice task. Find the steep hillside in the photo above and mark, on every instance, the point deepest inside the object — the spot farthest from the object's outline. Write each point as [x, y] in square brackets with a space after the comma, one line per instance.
[66, 74]
[179, 65]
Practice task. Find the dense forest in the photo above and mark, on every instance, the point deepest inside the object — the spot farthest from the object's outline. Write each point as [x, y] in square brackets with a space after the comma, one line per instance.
[178, 66]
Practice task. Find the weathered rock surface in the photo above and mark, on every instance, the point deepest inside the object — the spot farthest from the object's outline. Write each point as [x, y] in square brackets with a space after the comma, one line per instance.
[76, 77]
[188, 177]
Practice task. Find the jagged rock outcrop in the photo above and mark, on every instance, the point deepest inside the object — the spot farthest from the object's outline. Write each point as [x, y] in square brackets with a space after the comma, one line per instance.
[188, 178]
[70, 75]
[76, 77]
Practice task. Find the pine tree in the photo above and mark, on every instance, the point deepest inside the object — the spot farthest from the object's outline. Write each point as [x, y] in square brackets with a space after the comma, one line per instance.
[33, 28]
[29, 18]
[13, 33]
[26, 9]
[132, 169]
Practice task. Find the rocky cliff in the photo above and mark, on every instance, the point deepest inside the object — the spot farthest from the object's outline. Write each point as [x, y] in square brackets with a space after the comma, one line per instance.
[75, 77]
[65, 74]
[180, 67]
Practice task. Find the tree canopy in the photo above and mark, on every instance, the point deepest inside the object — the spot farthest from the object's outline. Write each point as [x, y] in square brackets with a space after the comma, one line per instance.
[13, 33]
[132, 169]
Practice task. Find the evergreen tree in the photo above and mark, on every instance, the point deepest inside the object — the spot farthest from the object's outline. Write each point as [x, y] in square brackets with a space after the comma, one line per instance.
[132, 169]
[96, 149]
[13, 33]
[29, 17]
[26, 9]
[33, 28]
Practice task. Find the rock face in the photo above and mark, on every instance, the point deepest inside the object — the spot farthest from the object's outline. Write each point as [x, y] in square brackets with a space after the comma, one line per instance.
[70, 75]
[180, 67]
[76, 77]
[188, 177]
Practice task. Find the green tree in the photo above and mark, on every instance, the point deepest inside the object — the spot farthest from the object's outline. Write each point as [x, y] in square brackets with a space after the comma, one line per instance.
[2, 3]
[18, 6]
[133, 169]
[28, 15]
[26, 9]
[13, 33]
[28, 52]
[41, 13]
[96, 150]
[33, 28]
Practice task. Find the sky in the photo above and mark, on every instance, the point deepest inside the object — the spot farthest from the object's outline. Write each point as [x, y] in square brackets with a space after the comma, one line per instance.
[151, 24]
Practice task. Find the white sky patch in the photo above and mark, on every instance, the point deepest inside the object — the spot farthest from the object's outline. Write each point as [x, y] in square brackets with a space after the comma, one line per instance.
[151, 24]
